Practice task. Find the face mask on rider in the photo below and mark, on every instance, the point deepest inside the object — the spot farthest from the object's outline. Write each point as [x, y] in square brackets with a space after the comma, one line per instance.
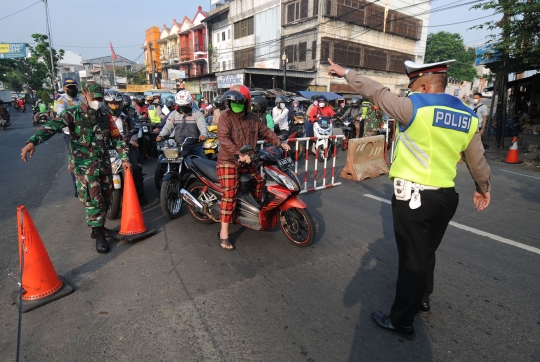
[282, 105]
[95, 105]
[72, 92]
[322, 104]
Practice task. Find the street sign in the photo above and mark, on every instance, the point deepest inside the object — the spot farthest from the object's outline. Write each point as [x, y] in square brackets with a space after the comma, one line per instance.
[226, 81]
[12, 50]
[486, 49]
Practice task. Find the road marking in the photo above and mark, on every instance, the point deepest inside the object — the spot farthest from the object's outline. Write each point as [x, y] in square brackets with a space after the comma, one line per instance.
[515, 173]
[475, 231]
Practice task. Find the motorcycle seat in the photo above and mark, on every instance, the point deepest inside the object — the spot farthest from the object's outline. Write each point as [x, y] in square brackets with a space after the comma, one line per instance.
[208, 169]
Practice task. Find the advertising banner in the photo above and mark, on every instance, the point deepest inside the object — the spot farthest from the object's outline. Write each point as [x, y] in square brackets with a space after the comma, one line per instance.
[226, 81]
[176, 74]
[485, 54]
[168, 84]
[193, 86]
[135, 88]
[12, 50]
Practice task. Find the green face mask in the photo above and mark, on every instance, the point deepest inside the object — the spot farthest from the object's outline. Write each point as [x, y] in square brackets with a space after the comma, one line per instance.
[237, 107]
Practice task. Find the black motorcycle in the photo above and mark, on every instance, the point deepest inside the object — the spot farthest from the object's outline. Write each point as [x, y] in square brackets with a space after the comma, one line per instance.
[42, 118]
[349, 131]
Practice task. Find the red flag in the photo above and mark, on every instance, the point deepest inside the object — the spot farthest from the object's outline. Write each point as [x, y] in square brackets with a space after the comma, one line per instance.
[112, 52]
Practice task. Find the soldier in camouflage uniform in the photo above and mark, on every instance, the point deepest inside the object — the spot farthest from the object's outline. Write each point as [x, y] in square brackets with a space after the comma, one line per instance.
[373, 121]
[90, 132]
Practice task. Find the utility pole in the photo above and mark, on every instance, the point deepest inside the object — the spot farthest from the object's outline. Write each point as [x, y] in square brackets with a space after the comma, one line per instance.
[284, 58]
[153, 66]
[48, 27]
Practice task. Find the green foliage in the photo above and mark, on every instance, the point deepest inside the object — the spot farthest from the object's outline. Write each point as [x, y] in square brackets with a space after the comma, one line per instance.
[133, 77]
[517, 34]
[43, 94]
[445, 46]
[41, 55]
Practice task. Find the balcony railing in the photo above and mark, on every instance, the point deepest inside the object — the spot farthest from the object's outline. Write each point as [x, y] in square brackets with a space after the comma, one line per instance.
[200, 48]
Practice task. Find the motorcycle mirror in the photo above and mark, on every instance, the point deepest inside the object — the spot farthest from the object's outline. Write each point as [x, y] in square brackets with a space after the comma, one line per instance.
[246, 149]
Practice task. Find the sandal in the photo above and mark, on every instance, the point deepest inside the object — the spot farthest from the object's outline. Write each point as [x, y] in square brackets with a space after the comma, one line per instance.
[225, 242]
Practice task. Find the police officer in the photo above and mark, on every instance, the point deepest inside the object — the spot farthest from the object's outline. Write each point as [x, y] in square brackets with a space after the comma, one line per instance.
[186, 123]
[434, 128]
[90, 139]
[69, 98]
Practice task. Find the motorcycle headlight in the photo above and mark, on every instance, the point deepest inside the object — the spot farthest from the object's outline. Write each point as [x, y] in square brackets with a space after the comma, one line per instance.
[171, 153]
[282, 180]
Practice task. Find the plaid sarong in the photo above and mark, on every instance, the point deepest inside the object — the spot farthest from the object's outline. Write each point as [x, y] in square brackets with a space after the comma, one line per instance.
[229, 179]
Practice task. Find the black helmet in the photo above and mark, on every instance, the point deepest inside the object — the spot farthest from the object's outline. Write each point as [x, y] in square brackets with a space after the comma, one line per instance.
[355, 102]
[322, 99]
[169, 102]
[127, 101]
[139, 99]
[315, 97]
[282, 99]
[114, 101]
[259, 104]
[218, 103]
[234, 96]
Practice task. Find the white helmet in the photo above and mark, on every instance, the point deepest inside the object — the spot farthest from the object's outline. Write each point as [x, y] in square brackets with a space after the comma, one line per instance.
[183, 98]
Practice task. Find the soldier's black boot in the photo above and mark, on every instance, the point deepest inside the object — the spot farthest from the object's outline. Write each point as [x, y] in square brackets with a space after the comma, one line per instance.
[102, 246]
[106, 232]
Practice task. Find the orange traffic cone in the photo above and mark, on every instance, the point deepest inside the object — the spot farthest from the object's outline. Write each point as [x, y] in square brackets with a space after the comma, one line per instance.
[513, 155]
[132, 226]
[40, 283]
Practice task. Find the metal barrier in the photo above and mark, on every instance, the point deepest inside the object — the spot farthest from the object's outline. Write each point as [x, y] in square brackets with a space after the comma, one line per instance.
[307, 140]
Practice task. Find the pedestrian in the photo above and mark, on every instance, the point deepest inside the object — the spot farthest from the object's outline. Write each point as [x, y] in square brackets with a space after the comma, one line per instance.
[434, 128]
[69, 98]
[90, 139]
[186, 123]
[238, 126]
[481, 111]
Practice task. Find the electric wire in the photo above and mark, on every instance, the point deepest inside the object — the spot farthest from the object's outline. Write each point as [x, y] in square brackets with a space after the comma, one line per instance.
[28, 7]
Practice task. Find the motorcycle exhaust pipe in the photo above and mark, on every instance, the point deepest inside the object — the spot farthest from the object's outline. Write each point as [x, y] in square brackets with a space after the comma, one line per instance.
[191, 200]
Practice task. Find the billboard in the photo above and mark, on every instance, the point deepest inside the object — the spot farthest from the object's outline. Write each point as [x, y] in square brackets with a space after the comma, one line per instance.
[176, 74]
[226, 81]
[12, 50]
[485, 54]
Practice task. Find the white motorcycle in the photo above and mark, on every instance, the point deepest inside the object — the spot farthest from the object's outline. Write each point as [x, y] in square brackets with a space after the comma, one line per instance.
[323, 126]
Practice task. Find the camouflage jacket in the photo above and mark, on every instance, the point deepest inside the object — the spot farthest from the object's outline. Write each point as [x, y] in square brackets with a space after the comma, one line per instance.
[90, 136]
[374, 120]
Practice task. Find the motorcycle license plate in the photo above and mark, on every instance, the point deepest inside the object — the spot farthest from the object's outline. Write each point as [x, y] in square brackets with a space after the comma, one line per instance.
[285, 163]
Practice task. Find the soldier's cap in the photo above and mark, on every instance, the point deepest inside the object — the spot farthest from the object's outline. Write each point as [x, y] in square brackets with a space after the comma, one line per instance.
[95, 90]
[415, 70]
[70, 81]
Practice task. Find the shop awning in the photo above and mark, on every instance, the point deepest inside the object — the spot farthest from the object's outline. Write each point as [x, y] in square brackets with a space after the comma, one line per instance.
[329, 95]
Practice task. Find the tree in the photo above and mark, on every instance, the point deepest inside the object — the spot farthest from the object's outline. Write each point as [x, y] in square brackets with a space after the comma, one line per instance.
[518, 37]
[133, 77]
[41, 55]
[444, 46]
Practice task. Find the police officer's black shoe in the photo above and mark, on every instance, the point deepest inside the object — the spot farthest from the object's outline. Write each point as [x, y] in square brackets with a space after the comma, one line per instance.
[143, 201]
[425, 310]
[102, 246]
[106, 232]
[383, 321]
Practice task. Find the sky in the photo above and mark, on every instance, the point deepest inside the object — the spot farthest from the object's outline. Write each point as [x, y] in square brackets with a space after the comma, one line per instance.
[86, 27]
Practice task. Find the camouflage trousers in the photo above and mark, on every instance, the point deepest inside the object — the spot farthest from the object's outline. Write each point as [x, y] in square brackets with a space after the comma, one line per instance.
[95, 190]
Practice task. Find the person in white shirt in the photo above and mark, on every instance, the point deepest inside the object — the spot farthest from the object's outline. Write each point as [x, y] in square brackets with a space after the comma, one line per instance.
[481, 111]
[280, 114]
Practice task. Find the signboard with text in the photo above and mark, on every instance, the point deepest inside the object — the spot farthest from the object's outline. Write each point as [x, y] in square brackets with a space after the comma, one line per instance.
[485, 54]
[12, 50]
[192, 86]
[226, 81]
[176, 74]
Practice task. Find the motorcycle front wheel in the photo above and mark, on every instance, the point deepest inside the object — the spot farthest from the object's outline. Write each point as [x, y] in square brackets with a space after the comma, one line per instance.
[345, 143]
[116, 203]
[195, 190]
[298, 226]
[170, 198]
[320, 153]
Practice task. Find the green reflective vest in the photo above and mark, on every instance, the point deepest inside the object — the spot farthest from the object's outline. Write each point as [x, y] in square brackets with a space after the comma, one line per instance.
[428, 148]
[365, 107]
[153, 115]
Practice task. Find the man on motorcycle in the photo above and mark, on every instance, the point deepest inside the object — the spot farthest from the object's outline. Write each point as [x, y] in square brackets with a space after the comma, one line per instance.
[355, 112]
[4, 113]
[113, 102]
[21, 104]
[186, 123]
[309, 125]
[259, 104]
[238, 126]
[90, 132]
[39, 109]
[219, 107]
[280, 114]
[141, 107]
[171, 106]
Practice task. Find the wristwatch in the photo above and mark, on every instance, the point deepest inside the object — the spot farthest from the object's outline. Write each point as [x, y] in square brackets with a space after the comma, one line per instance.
[346, 71]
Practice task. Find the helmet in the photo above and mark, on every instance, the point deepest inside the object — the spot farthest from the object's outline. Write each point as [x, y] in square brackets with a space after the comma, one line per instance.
[355, 102]
[259, 104]
[234, 96]
[149, 98]
[218, 103]
[139, 99]
[315, 97]
[169, 102]
[245, 92]
[322, 99]
[183, 98]
[295, 103]
[283, 99]
[127, 100]
[113, 101]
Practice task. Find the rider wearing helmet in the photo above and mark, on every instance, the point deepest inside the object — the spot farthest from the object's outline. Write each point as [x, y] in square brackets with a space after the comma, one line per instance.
[238, 126]
[186, 123]
[141, 107]
[259, 104]
[355, 112]
[321, 109]
[155, 113]
[309, 125]
[122, 127]
[4, 113]
[168, 108]
[219, 107]
[280, 114]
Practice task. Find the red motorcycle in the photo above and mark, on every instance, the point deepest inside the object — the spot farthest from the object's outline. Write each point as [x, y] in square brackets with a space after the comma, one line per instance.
[279, 203]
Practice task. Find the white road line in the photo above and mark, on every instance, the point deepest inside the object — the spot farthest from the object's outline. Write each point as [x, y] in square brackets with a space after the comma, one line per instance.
[475, 231]
[515, 173]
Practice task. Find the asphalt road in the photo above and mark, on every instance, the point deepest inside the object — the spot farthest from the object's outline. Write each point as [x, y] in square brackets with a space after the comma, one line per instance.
[178, 297]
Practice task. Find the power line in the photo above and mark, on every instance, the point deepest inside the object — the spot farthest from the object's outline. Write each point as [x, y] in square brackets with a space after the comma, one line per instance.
[28, 7]
[461, 22]
[117, 47]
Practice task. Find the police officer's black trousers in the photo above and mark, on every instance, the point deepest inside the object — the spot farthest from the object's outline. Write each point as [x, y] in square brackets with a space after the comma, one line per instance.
[418, 234]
